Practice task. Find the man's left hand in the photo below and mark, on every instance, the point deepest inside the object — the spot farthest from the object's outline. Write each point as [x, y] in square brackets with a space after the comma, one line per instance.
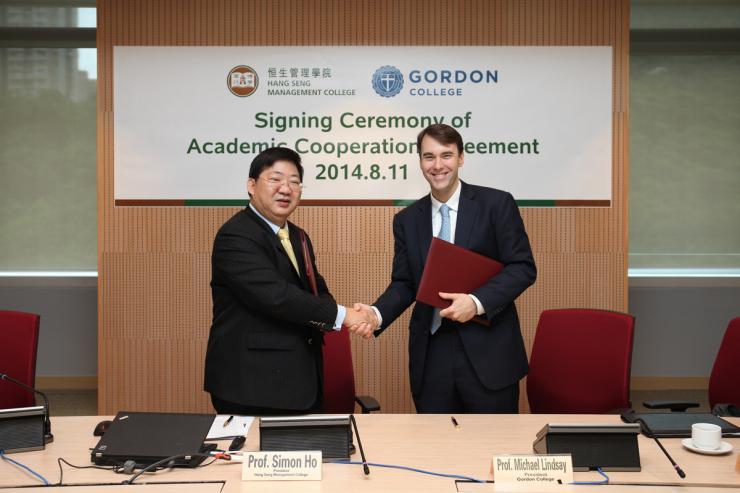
[462, 308]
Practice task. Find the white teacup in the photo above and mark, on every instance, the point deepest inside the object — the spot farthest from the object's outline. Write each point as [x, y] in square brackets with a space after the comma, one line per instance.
[706, 436]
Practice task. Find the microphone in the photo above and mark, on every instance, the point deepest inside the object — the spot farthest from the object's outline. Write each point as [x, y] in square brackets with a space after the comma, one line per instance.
[48, 437]
[650, 434]
[359, 444]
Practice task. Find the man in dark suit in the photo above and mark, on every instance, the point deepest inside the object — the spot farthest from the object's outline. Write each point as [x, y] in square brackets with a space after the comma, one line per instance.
[264, 348]
[456, 363]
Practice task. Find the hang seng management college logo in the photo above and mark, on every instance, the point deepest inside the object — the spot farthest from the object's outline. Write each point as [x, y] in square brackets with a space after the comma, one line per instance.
[242, 81]
[387, 81]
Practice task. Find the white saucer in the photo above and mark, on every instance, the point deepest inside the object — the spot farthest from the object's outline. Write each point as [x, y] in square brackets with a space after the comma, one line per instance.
[724, 447]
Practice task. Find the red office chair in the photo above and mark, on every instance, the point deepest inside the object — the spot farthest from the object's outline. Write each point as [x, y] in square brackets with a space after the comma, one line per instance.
[19, 337]
[724, 386]
[339, 374]
[339, 377]
[580, 362]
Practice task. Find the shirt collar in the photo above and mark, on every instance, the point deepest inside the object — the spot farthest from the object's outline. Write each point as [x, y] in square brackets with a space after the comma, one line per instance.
[452, 203]
[275, 228]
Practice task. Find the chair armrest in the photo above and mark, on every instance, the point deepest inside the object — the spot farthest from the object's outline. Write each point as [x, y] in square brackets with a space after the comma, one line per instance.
[674, 406]
[367, 403]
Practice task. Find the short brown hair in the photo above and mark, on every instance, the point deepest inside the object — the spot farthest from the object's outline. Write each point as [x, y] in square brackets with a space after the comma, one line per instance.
[444, 134]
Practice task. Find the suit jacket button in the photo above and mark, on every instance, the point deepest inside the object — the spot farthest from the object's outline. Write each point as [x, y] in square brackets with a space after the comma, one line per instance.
[310, 341]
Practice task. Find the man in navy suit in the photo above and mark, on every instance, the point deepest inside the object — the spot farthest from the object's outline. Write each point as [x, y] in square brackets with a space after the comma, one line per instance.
[456, 363]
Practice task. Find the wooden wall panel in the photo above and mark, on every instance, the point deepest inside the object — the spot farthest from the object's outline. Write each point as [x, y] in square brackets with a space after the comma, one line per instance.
[154, 263]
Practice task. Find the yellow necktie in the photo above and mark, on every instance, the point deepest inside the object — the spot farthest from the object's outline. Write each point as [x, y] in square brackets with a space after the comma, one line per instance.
[285, 241]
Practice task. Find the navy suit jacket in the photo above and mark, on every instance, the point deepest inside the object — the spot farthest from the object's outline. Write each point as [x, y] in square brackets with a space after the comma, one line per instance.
[264, 348]
[488, 222]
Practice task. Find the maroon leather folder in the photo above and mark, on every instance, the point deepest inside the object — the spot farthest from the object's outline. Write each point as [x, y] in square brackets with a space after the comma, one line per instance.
[453, 269]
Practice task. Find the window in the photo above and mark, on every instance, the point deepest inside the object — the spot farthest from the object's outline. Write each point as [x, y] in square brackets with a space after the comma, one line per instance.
[684, 136]
[47, 137]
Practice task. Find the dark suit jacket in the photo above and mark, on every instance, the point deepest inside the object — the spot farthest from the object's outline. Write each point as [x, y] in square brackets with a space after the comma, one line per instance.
[264, 348]
[488, 222]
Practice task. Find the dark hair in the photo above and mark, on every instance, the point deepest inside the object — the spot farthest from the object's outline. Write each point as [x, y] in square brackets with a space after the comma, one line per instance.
[268, 157]
[444, 134]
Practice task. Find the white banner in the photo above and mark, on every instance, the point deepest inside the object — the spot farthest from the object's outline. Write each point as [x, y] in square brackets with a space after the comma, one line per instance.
[188, 121]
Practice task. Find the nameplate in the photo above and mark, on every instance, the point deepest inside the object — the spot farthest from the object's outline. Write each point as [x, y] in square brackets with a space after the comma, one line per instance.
[281, 466]
[532, 470]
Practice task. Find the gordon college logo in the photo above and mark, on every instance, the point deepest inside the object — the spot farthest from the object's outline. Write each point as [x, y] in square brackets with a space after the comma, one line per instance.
[242, 81]
[387, 81]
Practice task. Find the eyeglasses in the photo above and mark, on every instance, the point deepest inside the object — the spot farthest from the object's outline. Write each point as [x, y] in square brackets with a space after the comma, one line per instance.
[276, 183]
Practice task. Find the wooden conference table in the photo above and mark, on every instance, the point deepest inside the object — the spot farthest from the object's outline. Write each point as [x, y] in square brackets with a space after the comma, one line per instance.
[428, 442]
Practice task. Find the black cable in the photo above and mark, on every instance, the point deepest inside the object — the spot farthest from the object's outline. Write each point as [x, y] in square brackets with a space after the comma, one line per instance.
[61, 471]
[207, 463]
[155, 465]
[118, 468]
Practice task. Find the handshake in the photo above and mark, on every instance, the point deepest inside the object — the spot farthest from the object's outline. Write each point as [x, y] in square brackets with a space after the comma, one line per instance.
[361, 320]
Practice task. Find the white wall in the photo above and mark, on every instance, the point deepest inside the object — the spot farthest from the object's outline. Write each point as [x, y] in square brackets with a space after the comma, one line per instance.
[68, 332]
[678, 328]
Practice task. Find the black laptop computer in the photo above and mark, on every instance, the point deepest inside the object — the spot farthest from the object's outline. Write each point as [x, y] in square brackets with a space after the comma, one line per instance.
[678, 424]
[150, 437]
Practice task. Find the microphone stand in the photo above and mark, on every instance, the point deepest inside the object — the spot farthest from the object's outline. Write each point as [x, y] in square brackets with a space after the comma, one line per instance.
[650, 434]
[48, 437]
[359, 444]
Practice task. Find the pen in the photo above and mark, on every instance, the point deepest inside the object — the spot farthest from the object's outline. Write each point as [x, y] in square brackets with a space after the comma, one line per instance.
[454, 422]
[228, 420]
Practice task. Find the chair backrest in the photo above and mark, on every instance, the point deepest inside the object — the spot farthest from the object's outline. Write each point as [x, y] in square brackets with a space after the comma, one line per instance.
[339, 376]
[19, 336]
[724, 382]
[581, 361]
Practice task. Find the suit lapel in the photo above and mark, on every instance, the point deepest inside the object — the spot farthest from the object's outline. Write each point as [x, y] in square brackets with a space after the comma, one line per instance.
[424, 229]
[467, 215]
[275, 242]
[263, 225]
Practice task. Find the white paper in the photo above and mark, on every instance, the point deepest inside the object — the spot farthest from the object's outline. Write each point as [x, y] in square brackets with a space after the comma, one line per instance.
[238, 426]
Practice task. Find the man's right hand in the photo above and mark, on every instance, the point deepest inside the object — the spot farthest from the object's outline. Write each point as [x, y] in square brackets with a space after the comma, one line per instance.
[361, 320]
